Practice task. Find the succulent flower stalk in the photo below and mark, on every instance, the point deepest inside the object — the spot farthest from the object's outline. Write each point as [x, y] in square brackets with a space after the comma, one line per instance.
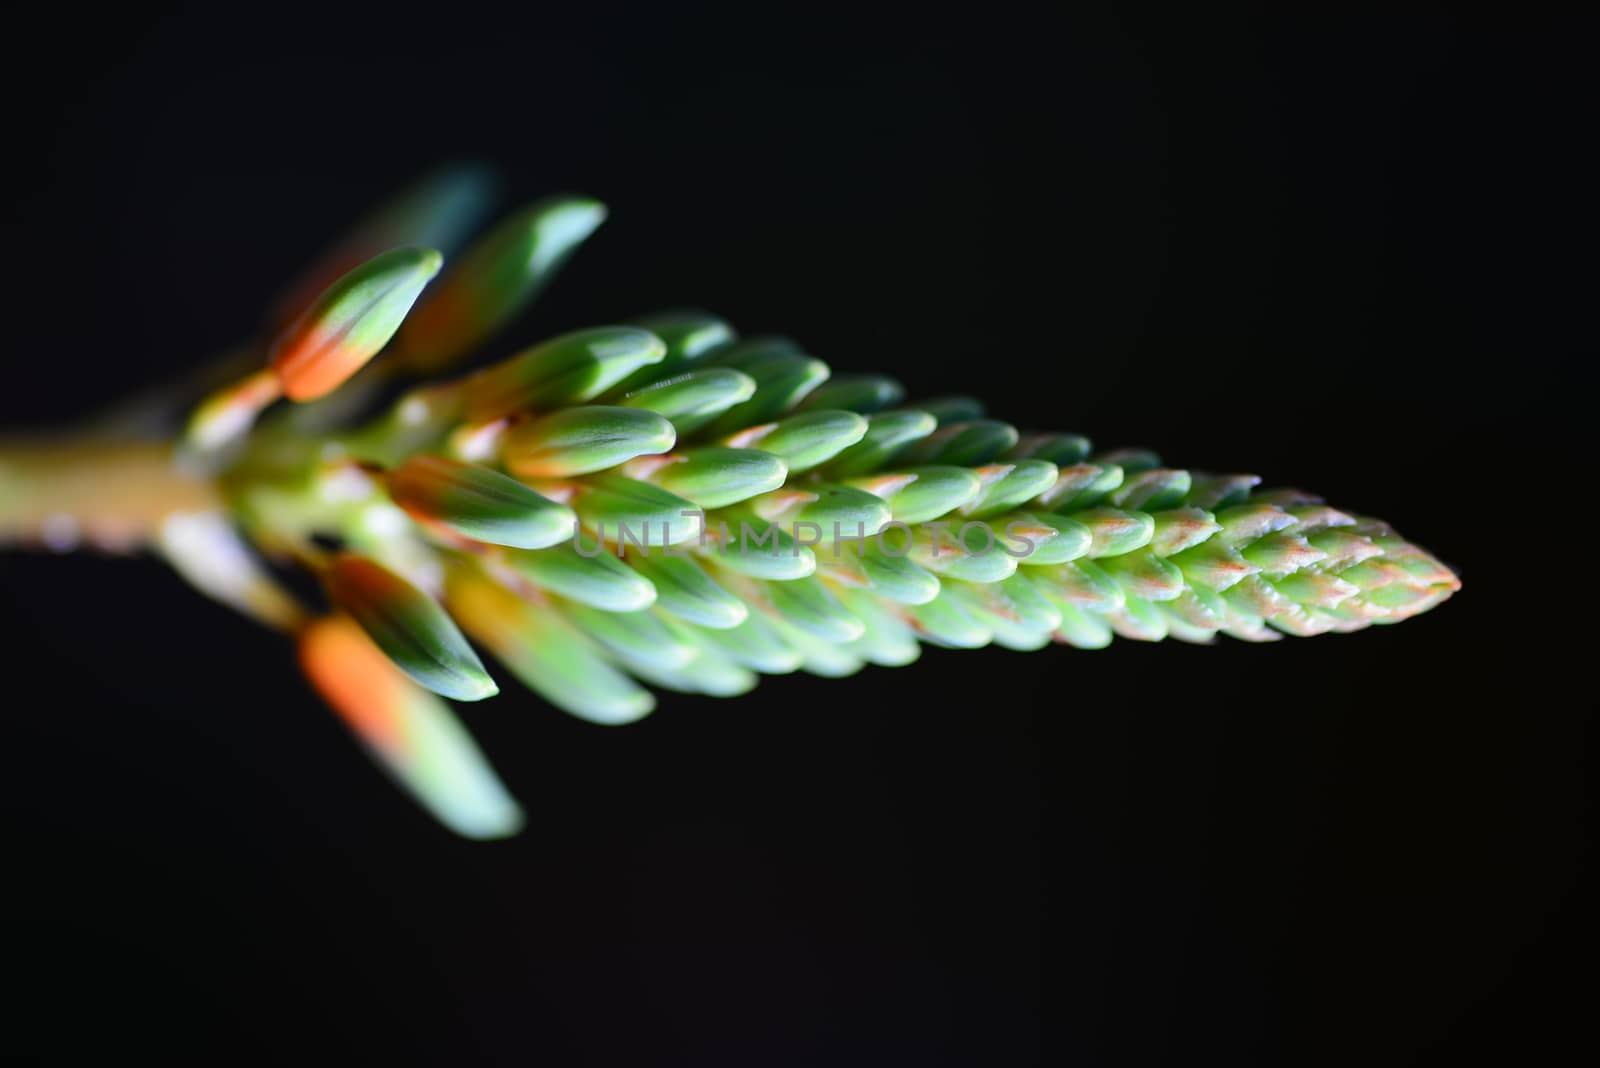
[657, 504]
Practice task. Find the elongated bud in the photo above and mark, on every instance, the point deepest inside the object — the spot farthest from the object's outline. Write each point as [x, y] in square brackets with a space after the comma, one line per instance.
[1178, 529]
[888, 434]
[437, 211]
[976, 441]
[545, 652]
[580, 441]
[1152, 490]
[806, 440]
[1115, 532]
[896, 578]
[1020, 481]
[957, 408]
[625, 508]
[408, 730]
[570, 369]
[934, 491]
[1052, 539]
[855, 393]
[807, 603]
[888, 639]
[764, 550]
[601, 581]
[1063, 450]
[715, 476]
[691, 338]
[1079, 486]
[854, 512]
[684, 590]
[479, 503]
[350, 322]
[410, 628]
[766, 351]
[942, 621]
[640, 639]
[693, 399]
[496, 278]
[782, 380]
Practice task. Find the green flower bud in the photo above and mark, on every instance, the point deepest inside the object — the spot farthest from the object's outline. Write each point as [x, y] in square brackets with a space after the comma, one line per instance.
[684, 590]
[1020, 482]
[714, 476]
[601, 581]
[410, 628]
[755, 643]
[1115, 532]
[1079, 486]
[640, 638]
[965, 444]
[899, 579]
[808, 604]
[479, 503]
[806, 440]
[935, 491]
[690, 336]
[571, 369]
[855, 393]
[693, 399]
[1152, 490]
[347, 325]
[624, 508]
[782, 381]
[545, 652]
[954, 409]
[1063, 450]
[496, 278]
[583, 440]
[888, 434]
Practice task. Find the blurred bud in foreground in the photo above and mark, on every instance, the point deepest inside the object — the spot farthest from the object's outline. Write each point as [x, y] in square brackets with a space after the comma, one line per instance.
[496, 278]
[409, 731]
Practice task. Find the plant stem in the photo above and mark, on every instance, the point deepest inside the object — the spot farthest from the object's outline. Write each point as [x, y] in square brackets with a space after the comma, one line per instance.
[68, 492]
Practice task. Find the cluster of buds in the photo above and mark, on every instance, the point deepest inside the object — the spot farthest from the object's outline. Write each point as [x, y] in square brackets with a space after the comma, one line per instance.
[665, 504]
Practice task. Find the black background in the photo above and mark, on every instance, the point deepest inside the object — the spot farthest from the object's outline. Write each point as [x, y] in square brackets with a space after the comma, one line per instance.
[1350, 254]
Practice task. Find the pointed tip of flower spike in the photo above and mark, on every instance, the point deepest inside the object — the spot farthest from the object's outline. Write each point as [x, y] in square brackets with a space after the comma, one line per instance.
[350, 322]
[408, 730]
[410, 627]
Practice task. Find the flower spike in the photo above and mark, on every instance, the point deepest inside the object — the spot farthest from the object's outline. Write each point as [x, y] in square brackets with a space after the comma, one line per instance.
[663, 505]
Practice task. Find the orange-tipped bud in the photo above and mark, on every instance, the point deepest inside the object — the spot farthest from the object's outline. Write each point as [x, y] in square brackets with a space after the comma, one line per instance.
[350, 322]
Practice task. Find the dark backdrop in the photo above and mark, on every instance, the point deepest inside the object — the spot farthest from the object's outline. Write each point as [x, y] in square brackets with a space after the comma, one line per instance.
[1350, 254]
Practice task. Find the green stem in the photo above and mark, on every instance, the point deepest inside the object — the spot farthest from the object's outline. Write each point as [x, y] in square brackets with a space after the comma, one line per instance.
[64, 492]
